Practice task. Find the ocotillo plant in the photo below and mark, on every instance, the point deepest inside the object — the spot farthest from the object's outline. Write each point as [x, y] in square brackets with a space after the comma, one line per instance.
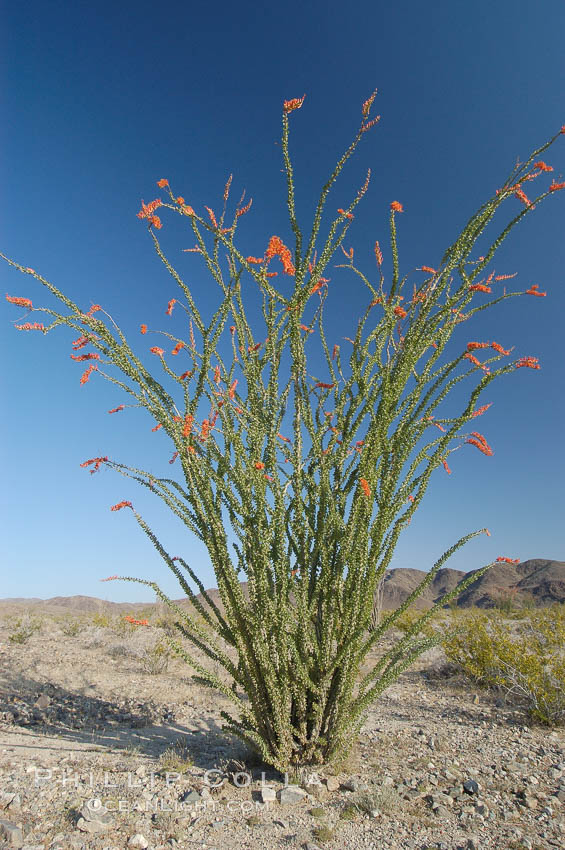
[314, 476]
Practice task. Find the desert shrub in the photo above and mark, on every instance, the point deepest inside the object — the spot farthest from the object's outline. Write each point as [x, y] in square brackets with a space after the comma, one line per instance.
[177, 757]
[102, 621]
[22, 628]
[525, 659]
[155, 659]
[71, 627]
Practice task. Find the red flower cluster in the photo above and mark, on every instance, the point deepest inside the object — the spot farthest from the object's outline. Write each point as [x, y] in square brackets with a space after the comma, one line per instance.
[87, 373]
[147, 211]
[533, 290]
[277, 248]
[530, 362]
[20, 302]
[479, 441]
[121, 505]
[291, 105]
[396, 206]
[28, 326]
[365, 487]
[96, 461]
[135, 622]
[509, 560]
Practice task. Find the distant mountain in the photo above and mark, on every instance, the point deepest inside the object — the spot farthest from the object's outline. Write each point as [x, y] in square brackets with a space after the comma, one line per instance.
[539, 581]
[536, 581]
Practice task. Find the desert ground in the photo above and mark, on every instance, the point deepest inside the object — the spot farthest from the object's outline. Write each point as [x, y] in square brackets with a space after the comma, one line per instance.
[105, 742]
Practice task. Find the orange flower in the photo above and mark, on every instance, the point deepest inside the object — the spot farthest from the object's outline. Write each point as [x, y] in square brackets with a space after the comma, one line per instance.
[95, 460]
[324, 386]
[521, 195]
[110, 578]
[505, 276]
[555, 187]
[117, 409]
[480, 287]
[396, 206]
[28, 326]
[410, 498]
[474, 360]
[400, 312]
[471, 346]
[86, 375]
[204, 430]
[20, 302]
[80, 342]
[121, 505]
[509, 560]
[180, 200]
[135, 622]
[162, 183]
[244, 209]
[156, 428]
[143, 329]
[231, 391]
[306, 328]
[275, 248]
[256, 347]
[291, 105]
[255, 260]
[365, 487]
[499, 348]
[82, 357]
[259, 465]
[216, 374]
[335, 350]
[446, 467]
[530, 362]
[481, 410]
[170, 306]
[185, 375]
[480, 443]
[346, 214]
[533, 290]
[428, 269]
[147, 210]
[368, 103]
[177, 347]
[286, 439]
[187, 210]
[191, 450]
[378, 254]
[156, 350]
[187, 427]
[543, 166]
[212, 216]
[156, 222]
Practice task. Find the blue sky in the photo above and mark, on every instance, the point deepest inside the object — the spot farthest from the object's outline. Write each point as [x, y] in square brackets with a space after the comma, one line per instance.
[101, 100]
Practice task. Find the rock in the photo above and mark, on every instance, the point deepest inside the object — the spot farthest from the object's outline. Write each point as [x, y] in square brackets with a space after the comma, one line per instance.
[471, 786]
[44, 701]
[530, 802]
[190, 797]
[332, 783]
[291, 794]
[310, 846]
[268, 795]
[138, 840]
[355, 785]
[6, 797]
[94, 818]
[441, 812]
[11, 833]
